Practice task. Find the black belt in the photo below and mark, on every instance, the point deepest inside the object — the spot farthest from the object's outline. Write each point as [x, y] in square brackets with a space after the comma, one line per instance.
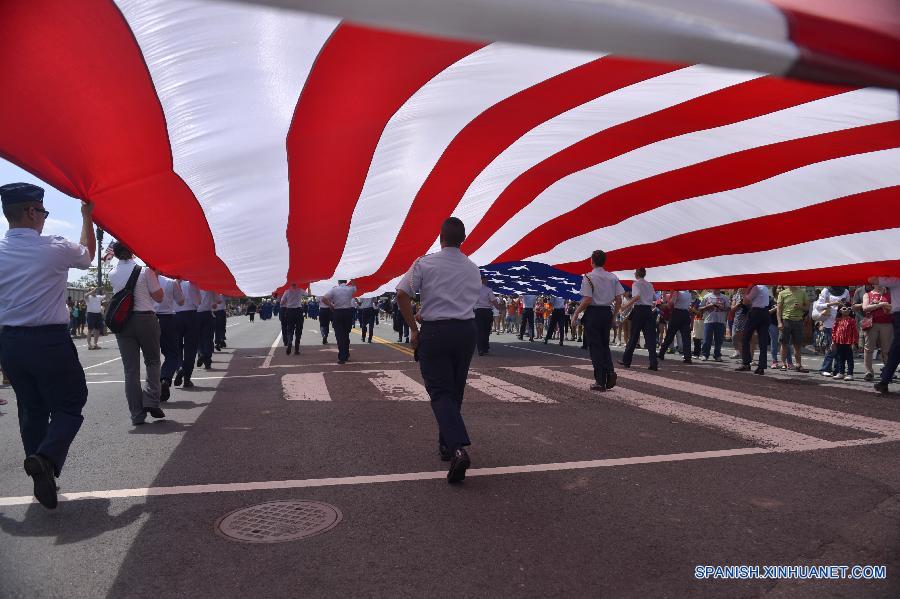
[758, 308]
[44, 328]
[143, 312]
[447, 321]
[599, 308]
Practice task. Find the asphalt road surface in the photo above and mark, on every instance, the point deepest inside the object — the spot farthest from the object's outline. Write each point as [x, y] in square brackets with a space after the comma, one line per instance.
[572, 493]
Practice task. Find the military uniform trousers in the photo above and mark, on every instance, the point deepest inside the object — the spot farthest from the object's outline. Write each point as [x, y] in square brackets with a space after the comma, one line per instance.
[679, 323]
[187, 334]
[343, 321]
[291, 326]
[642, 321]
[367, 318]
[557, 320]
[324, 321]
[527, 320]
[893, 358]
[597, 322]
[48, 380]
[140, 336]
[445, 352]
[484, 322]
[168, 345]
[221, 319]
[207, 332]
[757, 322]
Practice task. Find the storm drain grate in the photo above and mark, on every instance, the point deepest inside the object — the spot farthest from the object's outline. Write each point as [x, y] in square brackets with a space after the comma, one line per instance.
[279, 521]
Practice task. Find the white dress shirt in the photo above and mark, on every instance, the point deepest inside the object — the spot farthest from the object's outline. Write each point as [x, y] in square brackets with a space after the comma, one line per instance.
[292, 298]
[758, 296]
[448, 282]
[601, 286]
[94, 302]
[220, 306]
[33, 274]
[825, 297]
[147, 283]
[207, 300]
[893, 285]
[191, 294]
[559, 302]
[644, 291]
[528, 301]
[485, 297]
[341, 296]
[365, 302]
[171, 296]
[683, 300]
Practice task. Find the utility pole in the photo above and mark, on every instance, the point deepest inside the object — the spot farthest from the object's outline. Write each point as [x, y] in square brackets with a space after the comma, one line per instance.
[99, 258]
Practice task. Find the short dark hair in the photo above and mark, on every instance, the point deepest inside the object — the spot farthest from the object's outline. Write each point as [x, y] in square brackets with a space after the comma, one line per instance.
[341, 281]
[14, 213]
[640, 272]
[598, 257]
[121, 251]
[453, 232]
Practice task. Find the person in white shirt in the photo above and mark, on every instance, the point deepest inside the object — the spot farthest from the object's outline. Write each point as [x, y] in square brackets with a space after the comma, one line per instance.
[36, 351]
[827, 304]
[893, 358]
[139, 336]
[484, 316]
[557, 318]
[449, 284]
[187, 332]
[291, 316]
[367, 314]
[221, 319]
[758, 319]
[339, 300]
[680, 322]
[600, 290]
[208, 302]
[168, 332]
[642, 320]
[527, 316]
[94, 317]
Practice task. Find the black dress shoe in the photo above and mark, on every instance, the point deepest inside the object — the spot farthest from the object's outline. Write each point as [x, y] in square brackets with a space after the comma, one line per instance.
[759, 371]
[688, 361]
[481, 353]
[653, 368]
[621, 363]
[661, 356]
[324, 340]
[288, 350]
[164, 392]
[179, 376]
[446, 454]
[224, 344]
[598, 387]
[155, 412]
[41, 472]
[459, 463]
[296, 349]
[743, 368]
[545, 342]
[187, 384]
[342, 361]
[882, 388]
[611, 379]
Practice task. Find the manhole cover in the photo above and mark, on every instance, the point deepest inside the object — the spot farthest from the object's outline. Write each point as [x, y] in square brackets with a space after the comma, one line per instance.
[279, 521]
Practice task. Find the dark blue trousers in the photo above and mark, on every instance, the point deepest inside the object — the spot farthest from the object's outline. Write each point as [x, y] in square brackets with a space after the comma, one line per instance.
[557, 318]
[324, 321]
[445, 352]
[221, 319]
[893, 357]
[291, 326]
[343, 322]
[187, 333]
[597, 322]
[207, 332]
[642, 321]
[484, 319]
[43, 368]
[680, 323]
[758, 320]
[168, 345]
[527, 321]
[367, 317]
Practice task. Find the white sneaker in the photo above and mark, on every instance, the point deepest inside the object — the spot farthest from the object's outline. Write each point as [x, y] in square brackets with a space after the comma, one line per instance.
[849, 377]
[826, 373]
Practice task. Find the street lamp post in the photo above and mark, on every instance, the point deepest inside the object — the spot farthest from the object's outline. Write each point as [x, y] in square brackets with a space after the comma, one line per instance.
[99, 257]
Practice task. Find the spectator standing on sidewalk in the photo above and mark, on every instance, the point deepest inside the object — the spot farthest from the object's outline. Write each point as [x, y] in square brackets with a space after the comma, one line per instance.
[791, 307]
[877, 327]
[890, 363]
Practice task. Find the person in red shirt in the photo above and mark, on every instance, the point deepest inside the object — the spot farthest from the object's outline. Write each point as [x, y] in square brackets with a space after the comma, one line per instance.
[844, 336]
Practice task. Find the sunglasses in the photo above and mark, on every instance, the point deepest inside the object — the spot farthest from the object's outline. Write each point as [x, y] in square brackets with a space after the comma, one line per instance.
[46, 213]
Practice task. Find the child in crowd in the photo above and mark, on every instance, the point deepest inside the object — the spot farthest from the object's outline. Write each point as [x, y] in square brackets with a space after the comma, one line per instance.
[844, 336]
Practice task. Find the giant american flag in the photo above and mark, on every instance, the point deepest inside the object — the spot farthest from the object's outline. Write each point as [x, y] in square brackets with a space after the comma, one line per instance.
[244, 146]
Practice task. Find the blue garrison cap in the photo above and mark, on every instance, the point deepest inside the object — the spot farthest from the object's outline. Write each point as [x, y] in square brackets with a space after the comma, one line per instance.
[19, 193]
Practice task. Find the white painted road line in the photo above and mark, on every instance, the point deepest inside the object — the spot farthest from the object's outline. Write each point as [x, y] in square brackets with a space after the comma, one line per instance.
[503, 390]
[197, 378]
[863, 423]
[102, 363]
[418, 476]
[397, 386]
[749, 430]
[268, 361]
[309, 386]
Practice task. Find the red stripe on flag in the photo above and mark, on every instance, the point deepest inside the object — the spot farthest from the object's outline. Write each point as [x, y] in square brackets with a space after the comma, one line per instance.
[719, 174]
[79, 110]
[360, 79]
[488, 135]
[731, 105]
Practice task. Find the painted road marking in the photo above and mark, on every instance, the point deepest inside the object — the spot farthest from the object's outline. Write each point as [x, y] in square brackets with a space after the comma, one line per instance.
[196, 378]
[309, 386]
[503, 390]
[842, 419]
[441, 474]
[749, 430]
[268, 361]
[397, 386]
[102, 363]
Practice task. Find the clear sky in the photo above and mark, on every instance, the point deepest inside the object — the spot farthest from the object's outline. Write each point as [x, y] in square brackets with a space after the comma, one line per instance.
[65, 211]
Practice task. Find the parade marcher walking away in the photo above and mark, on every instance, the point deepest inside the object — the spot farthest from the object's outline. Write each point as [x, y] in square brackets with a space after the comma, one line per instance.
[251, 310]
[527, 317]
[221, 320]
[340, 302]
[207, 327]
[757, 298]
[140, 334]
[325, 316]
[367, 314]
[187, 331]
[642, 319]
[679, 322]
[893, 358]
[600, 289]
[557, 319]
[36, 351]
[94, 317]
[484, 316]
[291, 318]
[168, 332]
[449, 284]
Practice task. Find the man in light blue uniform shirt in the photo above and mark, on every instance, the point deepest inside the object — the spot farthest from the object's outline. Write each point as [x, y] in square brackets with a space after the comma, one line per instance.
[527, 316]
[168, 336]
[757, 297]
[36, 352]
[187, 333]
[557, 317]
[680, 301]
[340, 301]
[208, 302]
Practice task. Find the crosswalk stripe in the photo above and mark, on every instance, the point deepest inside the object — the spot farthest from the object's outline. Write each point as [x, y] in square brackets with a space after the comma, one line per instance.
[309, 386]
[503, 390]
[863, 423]
[755, 432]
[397, 386]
